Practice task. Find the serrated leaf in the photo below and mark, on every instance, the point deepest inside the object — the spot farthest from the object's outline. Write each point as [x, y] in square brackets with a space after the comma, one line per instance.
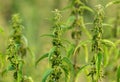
[86, 31]
[51, 52]
[25, 41]
[70, 50]
[47, 73]
[88, 8]
[69, 63]
[118, 74]
[81, 44]
[70, 21]
[107, 42]
[79, 71]
[106, 56]
[41, 58]
[32, 54]
[112, 2]
[67, 73]
[70, 71]
[98, 63]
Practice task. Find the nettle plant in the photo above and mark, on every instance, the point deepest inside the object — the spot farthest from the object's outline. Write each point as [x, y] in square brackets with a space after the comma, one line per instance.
[55, 57]
[97, 45]
[17, 49]
[59, 64]
[76, 23]
[100, 47]
[63, 60]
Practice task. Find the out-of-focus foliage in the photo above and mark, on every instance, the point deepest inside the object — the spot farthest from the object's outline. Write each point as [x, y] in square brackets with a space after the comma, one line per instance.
[37, 18]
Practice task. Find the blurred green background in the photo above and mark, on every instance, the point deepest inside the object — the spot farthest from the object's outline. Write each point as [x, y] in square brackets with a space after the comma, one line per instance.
[36, 16]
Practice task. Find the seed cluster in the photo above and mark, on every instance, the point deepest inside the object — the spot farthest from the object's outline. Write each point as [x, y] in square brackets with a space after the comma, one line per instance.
[16, 48]
[96, 40]
[77, 24]
[97, 30]
[56, 58]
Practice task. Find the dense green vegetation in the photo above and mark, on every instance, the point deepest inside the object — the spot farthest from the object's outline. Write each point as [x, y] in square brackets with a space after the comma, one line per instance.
[60, 41]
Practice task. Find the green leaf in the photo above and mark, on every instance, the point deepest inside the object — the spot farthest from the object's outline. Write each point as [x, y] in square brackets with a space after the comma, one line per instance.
[47, 73]
[70, 50]
[69, 63]
[88, 8]
[118, 74]
[51, 53]
[81, 44]
[25, 41]
[112, 2]
[67, 73]
[106, 56]
[10, 68]
[98, 63]
[79, 71]
[41, 58]
[19, 72]
[107, 42]
[31, 53]
[85, 30]
[70, 21]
